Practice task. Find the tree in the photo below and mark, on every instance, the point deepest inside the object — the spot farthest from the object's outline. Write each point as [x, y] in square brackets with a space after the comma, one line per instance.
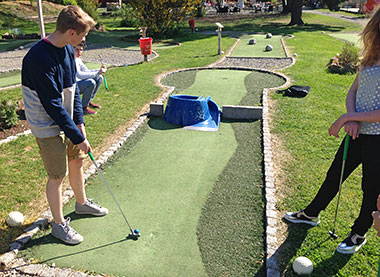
[295, 7]
[162, 16]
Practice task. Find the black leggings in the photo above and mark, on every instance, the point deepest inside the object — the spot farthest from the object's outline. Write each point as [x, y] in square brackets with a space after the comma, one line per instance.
[364, 150]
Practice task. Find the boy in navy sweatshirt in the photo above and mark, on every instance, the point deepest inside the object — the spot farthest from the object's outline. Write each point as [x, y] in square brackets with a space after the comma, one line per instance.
[54, 112]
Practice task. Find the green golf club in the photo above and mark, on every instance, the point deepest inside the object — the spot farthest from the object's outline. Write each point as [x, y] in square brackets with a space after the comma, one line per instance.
[135, 234]
[345, 151]
[104, 75]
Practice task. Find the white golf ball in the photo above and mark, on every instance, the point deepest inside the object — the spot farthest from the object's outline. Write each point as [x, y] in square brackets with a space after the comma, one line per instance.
[268, 47]
[15, 218]
[302, 266]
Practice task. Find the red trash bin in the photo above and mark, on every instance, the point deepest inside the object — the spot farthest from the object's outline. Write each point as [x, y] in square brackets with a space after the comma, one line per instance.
[192, 23]
[146, 46]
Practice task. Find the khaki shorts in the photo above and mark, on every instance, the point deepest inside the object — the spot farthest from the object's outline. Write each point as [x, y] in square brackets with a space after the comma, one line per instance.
[56, 152]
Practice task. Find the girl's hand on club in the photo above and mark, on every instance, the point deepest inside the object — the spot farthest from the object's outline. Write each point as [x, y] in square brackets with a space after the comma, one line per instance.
[352, 128]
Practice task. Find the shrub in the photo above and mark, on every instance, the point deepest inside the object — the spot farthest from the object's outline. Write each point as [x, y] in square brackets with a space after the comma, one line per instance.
[163, 16]
[70, 2]
[129, 17]
[347, 61]
[350, 54]
[89, 6]
[8, 115]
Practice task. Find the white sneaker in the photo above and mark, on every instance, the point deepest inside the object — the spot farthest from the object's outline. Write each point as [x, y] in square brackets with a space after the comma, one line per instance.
[64, 232]
[90, 207]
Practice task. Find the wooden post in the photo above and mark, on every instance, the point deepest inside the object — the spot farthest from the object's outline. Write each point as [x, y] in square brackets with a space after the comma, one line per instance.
[144, 35]
[41, 18]
[220, 27]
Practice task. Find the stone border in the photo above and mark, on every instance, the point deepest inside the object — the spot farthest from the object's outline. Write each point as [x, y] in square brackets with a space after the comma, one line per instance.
[10, 138]
[272, 268]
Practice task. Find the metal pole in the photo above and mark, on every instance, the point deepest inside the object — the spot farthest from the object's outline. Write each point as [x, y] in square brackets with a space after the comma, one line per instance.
[41, 18]
[219, 41]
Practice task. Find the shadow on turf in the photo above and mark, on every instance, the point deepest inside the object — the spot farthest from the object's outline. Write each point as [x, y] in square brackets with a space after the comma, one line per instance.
[158, 123]
[49, 239]
[288, 249]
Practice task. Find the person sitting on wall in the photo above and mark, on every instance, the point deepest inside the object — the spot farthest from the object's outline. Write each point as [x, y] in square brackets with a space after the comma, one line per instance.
[88, 81]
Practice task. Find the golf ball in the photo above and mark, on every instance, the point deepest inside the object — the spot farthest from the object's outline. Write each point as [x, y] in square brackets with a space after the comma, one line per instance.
[136, 231]
[302, 266]
[15, 218]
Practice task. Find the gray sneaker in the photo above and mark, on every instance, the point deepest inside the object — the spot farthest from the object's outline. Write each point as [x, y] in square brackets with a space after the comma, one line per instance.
[65, 233]
[90, 207]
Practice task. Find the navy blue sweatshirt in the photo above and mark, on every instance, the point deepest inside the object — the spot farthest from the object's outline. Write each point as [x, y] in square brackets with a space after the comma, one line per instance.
[51, 102]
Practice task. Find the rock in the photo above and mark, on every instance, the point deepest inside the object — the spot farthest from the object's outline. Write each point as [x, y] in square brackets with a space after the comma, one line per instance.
[268, 48]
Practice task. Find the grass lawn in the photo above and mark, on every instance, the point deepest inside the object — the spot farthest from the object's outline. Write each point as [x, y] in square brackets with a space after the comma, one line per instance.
[302, 125]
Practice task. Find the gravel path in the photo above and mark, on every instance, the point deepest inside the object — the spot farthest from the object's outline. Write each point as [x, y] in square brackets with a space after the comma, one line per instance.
[359, 20]
[258, 63]
[12, 60]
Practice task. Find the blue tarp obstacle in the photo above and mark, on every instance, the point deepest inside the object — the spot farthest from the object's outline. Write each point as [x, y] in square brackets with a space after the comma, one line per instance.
[193, 112]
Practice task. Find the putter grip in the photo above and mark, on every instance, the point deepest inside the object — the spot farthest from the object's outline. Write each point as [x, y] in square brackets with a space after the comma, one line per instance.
[346, 143]
[105, 81]
[91, 157]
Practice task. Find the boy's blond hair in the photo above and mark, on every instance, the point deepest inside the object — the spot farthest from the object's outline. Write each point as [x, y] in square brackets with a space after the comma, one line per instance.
[73, 17]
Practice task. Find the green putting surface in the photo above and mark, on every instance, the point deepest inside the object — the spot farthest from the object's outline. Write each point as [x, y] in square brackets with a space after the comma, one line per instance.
[244, 49]
[168, 180]
[350, 37]
[10, 78]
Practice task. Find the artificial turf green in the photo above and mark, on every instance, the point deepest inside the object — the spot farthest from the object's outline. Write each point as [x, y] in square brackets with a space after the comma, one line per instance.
[10, 78]
[244, 49]
[14, 77]
[162, 183]
[180, 80]
[350, 37]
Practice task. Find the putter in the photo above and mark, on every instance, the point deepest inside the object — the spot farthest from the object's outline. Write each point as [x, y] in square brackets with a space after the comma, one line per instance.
[345, 151]
[104, 75]
[134, 234]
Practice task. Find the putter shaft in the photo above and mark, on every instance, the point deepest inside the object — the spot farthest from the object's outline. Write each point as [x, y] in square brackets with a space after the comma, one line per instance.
[113, 196]
[345, 151]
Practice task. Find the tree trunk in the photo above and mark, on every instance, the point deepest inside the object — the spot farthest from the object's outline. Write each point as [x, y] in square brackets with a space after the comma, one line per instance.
[295, 7]
[285, 7]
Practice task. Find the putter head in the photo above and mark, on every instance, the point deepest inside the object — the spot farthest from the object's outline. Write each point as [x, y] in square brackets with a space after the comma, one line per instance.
[333, 235]
[134, 235]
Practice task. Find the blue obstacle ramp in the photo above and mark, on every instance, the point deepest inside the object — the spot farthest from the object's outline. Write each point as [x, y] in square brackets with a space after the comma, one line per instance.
[193, 112]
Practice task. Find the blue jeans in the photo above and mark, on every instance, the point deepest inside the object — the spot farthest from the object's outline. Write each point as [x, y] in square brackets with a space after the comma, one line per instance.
[89, 87]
